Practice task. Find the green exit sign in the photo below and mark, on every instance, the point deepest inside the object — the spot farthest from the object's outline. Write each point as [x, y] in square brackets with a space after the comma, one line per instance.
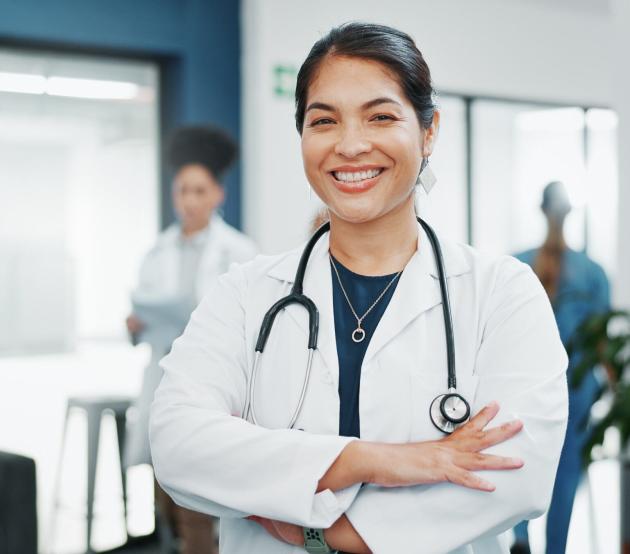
[284, 77]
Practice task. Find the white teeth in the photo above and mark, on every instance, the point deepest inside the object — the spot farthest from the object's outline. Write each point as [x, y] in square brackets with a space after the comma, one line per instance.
[357, 175]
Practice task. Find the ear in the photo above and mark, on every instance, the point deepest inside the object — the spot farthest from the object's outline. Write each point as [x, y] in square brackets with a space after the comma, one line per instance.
[220, 195]
[430, 135]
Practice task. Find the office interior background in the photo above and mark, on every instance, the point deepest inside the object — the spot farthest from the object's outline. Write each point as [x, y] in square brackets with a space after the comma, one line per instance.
[530, 91]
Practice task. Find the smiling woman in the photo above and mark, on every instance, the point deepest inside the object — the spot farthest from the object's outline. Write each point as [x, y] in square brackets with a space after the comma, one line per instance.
[365, 106]
[361, 135]
[380, 403]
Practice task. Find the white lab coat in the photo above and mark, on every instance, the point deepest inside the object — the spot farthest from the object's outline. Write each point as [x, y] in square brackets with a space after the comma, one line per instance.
[507, 349]
[159, 272]
[159, 284]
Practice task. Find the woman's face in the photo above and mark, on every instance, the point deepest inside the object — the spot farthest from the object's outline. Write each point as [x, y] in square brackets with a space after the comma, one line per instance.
[362, 144]
[196, 194]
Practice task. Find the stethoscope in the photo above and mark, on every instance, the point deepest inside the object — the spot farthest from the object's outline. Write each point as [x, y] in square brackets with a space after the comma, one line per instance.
[448, 411]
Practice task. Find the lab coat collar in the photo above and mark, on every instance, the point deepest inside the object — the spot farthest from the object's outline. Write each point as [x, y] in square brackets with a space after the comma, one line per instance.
[318, 287]
[417, 291]
[173, 233]
[455, 261]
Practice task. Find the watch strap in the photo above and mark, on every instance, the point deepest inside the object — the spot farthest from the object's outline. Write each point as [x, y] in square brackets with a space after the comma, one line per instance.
[314, 541]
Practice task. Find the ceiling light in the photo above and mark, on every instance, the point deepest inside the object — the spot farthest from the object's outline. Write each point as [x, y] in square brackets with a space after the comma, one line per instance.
[22, 83]
[91, 88]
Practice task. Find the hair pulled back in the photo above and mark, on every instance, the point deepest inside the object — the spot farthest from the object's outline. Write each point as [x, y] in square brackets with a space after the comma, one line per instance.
[392, 48]
[207, 145]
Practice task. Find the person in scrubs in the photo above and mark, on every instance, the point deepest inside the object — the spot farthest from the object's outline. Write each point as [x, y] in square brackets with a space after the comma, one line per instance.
[577, 288]
[174, 276]
[364, 468]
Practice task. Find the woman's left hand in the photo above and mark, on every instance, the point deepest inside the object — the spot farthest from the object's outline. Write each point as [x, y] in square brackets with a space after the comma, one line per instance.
[285, 532]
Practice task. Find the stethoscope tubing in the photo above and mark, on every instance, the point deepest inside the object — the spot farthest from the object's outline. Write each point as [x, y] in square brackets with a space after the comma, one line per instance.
[446, 304]
[296, 296]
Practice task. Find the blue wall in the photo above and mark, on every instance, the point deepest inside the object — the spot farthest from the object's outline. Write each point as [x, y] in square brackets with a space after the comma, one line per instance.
[196, 43]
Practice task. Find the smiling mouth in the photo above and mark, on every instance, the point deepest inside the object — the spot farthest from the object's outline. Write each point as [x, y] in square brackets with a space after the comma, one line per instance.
[356, 176]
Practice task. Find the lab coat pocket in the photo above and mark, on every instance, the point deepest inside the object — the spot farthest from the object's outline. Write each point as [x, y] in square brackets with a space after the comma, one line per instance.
[425, 388]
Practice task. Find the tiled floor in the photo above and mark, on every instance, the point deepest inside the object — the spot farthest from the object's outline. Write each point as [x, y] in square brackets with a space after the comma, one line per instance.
[144, 545]
[33, 394]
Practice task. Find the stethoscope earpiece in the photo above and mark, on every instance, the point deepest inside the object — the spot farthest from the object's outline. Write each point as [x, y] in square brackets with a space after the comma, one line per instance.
[449, 411]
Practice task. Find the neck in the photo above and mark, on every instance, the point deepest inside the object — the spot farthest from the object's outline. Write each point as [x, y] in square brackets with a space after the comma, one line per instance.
[378, 247]
[555, 234]
[189, 229]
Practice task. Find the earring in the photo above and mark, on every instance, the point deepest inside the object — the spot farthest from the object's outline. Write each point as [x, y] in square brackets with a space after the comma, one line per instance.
[426, 177]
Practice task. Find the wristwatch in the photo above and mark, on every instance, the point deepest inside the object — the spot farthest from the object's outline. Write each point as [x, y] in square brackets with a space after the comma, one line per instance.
[315, 543]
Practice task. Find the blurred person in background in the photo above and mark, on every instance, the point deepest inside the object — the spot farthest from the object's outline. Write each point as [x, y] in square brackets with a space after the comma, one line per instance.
[173, 278]
[577, 288]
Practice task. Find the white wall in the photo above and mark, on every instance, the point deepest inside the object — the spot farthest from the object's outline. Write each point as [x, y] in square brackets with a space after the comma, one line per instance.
[493, 47]
[621, 102]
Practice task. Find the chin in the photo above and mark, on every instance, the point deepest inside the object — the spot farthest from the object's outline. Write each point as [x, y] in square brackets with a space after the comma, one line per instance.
[355, 214]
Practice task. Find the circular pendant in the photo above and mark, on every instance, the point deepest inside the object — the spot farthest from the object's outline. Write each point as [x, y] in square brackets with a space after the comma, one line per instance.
[358, 335]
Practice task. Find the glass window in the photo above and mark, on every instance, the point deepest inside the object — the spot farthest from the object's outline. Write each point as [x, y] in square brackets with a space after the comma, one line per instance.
[446, 206]
[602, 188]
[517, 150]
[78, 167]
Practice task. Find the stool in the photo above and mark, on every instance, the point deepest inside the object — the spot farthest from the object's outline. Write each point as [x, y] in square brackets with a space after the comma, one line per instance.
[94, 408]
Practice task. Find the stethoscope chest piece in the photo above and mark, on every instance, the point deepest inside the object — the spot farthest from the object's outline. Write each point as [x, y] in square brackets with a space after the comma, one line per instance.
[449, 411]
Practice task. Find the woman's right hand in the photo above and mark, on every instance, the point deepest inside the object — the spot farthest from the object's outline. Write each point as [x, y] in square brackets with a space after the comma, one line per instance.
[453, 458]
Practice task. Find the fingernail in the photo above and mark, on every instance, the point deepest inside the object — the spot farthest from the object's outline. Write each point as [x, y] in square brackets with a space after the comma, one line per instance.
[493, 404]
[488, 486]
[517, 462]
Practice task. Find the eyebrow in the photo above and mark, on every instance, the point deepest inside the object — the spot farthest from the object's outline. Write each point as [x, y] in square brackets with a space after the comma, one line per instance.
[379, 101]
[366, 106]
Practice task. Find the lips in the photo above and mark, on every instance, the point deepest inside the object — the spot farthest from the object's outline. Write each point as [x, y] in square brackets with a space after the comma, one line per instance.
[353, 180]
[355, 176]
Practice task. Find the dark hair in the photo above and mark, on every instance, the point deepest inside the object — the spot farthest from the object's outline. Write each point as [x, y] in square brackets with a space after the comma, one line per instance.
[555, 194]
[208, 146]
[393, 48]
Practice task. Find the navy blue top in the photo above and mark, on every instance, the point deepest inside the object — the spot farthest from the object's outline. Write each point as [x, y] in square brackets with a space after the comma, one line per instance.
[362, 291]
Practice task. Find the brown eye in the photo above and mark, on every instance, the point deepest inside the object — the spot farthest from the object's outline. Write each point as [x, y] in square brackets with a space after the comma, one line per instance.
[322, 121]
[382, 117]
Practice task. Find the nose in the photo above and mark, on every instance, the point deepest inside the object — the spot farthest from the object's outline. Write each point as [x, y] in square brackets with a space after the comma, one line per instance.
[352, 142]
[189, 202]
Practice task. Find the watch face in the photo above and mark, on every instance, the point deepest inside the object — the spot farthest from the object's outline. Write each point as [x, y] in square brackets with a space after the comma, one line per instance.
[314, 541]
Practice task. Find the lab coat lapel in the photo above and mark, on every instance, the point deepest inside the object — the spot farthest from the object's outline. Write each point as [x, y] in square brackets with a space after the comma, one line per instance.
[169, 262]
[418, 290]
[318, 287]
[213, 252]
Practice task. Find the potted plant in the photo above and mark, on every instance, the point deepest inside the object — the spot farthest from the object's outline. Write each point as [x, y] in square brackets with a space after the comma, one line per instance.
[604, 340]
